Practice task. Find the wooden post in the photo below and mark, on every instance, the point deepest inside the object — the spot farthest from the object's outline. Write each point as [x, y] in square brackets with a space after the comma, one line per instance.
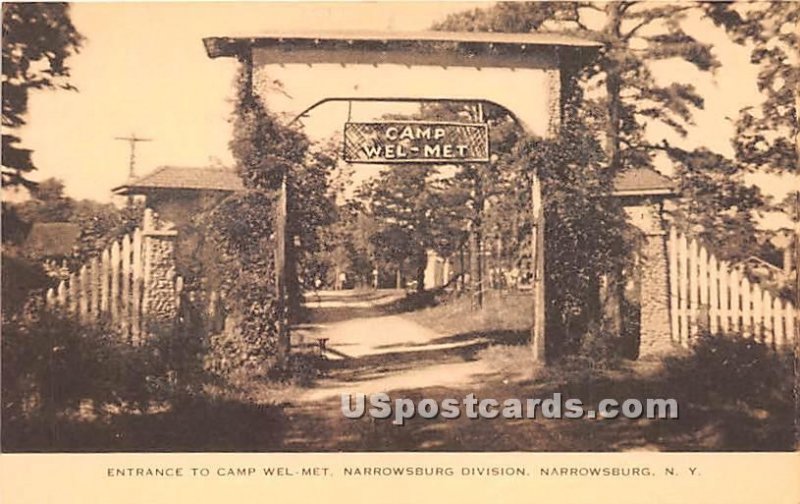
[694, 300]
[284, 343]
[74, 293]
[777, 313]
[125, 300]
[704, 313]
[138, 275]
[713, 281]
[724, 308]
[736, 300]
[61, 294]
[114, 305]
[758, 313]
[83, 294]
[683, 286]
[94, 286]
[789, 314]
[105, 273]
[747, 321]
[673, 285]
[537, 256]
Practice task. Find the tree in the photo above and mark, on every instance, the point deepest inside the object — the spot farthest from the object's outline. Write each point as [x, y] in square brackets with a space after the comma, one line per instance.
[400, 200]
[716, 204]
[100, 223]
[768, 136]
[38, 38]
[633, 34]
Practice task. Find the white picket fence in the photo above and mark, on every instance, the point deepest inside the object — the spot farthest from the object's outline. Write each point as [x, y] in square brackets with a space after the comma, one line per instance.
[110, 286]
[708, 293]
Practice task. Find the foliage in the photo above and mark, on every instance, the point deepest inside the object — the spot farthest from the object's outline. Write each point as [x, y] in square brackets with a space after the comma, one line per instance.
[740, 367]
[239, 234]
[586, 231]
[54, 366]
[239, 239]
[100, 223]
[20, 278]
[400, 201]
[633, 35]
[312, 209]
[38, 38]
[766, 135]
[716, 204]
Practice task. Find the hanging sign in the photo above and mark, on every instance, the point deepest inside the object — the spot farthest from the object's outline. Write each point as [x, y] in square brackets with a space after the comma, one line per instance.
[390, 142]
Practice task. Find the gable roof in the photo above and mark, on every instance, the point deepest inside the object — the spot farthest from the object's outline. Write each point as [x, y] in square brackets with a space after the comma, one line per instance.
[173, 177]
[52, 239]
[642, 182]
[757, 261]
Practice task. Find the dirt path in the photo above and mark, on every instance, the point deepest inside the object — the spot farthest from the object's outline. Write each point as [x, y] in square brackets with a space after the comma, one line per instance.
[371, 351]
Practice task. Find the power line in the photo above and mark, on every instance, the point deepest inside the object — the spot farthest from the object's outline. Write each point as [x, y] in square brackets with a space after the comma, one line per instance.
[133, 140]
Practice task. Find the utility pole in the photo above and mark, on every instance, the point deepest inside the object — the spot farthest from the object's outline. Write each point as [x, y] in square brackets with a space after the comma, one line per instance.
[133, 140]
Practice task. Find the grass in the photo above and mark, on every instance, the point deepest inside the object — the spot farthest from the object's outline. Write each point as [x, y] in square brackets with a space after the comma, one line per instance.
[501, 312]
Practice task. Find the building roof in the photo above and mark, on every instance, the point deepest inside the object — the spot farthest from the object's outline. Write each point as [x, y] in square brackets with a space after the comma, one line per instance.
[52, 239]
[386, 40]
[642, 182]
[634, 182]
[757, 261]
[172, 177]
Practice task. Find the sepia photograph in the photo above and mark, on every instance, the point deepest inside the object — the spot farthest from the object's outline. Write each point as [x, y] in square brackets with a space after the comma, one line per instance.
[400, 227]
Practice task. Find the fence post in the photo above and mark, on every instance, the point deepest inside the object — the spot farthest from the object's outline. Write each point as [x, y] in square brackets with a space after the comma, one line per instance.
[673, 285]
[94, 287]
[138, 275]
[655, 330]
[714, 287]
[683, 282]
[105, 273]
[125, 287]
[73, 293]
[159, 308]
[724, 307]
[115, 282]
[747, 321]
[83, 294]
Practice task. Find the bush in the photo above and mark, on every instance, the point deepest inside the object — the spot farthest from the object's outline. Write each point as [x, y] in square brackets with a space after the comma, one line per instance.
[53, 367]
[733, 367]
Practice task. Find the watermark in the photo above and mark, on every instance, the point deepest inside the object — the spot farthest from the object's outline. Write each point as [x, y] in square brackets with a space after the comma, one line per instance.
[381, 406]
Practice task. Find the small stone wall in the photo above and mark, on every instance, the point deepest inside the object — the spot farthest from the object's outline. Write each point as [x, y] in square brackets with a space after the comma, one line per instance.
[160, 300]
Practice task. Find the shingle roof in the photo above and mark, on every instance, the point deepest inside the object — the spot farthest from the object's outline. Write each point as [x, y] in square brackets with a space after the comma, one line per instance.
[172, 177]
[52, 239]
[642, 181]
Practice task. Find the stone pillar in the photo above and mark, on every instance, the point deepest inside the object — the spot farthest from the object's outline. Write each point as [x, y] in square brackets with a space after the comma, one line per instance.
[654, 281]
[159, 299]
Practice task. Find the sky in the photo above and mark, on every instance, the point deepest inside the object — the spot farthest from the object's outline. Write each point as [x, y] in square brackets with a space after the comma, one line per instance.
[143, 69]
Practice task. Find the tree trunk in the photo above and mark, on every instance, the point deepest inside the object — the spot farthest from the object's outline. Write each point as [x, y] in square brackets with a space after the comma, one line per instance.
[476, 243]
[475, 270]
[611, 295]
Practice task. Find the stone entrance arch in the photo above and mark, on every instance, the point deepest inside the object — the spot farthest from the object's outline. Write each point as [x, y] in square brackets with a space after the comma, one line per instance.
[528, 74]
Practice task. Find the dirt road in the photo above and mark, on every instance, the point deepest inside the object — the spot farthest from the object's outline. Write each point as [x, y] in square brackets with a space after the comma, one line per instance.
[372, 350]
